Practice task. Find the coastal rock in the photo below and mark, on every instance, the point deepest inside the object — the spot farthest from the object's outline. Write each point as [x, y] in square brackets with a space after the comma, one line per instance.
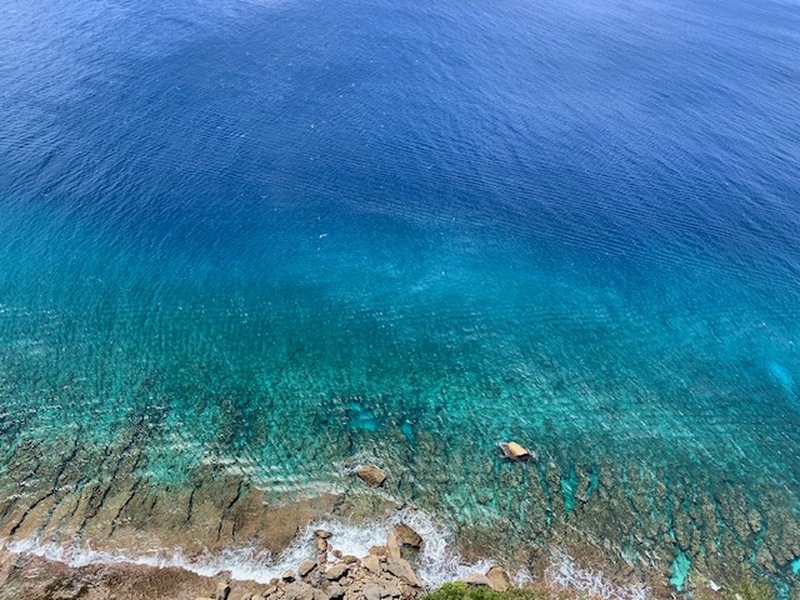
[371, 591]
[321, 544]
[372, 564]
[402, 570]
[350, 559]
[223, 591]
[299, 590]
[406, 536]
[392, 546]
[477, 579]
[515, 451]
[288, 576]
[337, 571]
[498, 579]
[335, 592]
[371, 475]
[306, 567]
[322, 534]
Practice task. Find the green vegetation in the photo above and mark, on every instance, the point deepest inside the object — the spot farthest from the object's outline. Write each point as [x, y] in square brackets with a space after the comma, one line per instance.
[461, 591]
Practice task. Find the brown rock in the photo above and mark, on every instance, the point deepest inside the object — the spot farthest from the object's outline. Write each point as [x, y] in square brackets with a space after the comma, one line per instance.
[223, 591]
[371, 475]
[392, 546]
[372, 591]
[271, 590]
[322, 534]
[288, 576]
[372, 564]
[378, 551]
[391, 590]
[321, 544]
[406, 536]
[337, 571]
[498, 579]
[306, 567]
[335, 592]
[478, 579]
[402, 570]
[349, 559]
[514, 451]
[299, 590]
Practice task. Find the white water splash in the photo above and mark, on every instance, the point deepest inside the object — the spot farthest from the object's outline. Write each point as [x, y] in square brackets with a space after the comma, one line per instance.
[438, 561]
[565, 574]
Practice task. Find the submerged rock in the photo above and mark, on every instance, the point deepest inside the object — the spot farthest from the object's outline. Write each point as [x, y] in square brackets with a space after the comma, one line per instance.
[371, 475]
[515, 451]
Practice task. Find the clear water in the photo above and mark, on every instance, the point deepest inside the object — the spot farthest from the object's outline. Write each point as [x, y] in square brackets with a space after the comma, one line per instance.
[280, 236]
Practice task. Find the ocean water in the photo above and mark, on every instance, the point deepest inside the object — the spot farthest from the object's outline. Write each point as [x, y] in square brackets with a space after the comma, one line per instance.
[283, 237]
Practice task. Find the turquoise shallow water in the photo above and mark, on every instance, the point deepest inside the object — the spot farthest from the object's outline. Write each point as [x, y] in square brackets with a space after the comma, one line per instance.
[282, 238]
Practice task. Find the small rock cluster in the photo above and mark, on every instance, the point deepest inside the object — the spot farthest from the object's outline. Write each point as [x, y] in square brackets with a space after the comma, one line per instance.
[381, 575]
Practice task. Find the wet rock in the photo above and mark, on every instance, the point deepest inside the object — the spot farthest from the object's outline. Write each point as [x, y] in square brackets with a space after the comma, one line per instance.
[372, 591]
[371, 475]
[321, 544]
[337, 571]
[477, 579]
[514, 451]
[322, 534]
[288, 576]
[372, 564]
[498, 579]
[350, 559]
[406, 536]
[306, 567]
[402, 570]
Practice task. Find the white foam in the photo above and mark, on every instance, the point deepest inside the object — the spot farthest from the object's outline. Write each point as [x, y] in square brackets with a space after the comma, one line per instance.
[564, 573]
[439, 562]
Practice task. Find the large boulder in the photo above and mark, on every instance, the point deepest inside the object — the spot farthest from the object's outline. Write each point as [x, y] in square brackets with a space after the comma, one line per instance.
[478, 579]
[406, 536]
[371, 475]
[337, 571]
[498, 579]
[515, 451]
[402, 570]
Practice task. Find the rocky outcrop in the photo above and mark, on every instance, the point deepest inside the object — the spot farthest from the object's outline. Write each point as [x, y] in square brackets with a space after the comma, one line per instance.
[406, 536]
[381, 575]
[371, 475]
[515, 451]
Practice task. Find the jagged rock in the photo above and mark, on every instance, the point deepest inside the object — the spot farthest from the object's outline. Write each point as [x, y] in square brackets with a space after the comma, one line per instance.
[372, 564]
[223, 591]
[306, 567]
[350, 559]
[401, 569]
[322, 534]
[299, 590]
[321, 544]
[514, 451]
[337, 571]
[337, 553]
[288, 576]
[378, 551]
[391, 591]
[272, 589]
[478, 579]
[406, 536]
[392, 547]
[371, 475]
[335, 592]
[371, 591]
[498, 579]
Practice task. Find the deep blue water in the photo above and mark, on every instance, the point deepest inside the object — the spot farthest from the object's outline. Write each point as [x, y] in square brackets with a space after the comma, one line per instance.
[372, 228]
